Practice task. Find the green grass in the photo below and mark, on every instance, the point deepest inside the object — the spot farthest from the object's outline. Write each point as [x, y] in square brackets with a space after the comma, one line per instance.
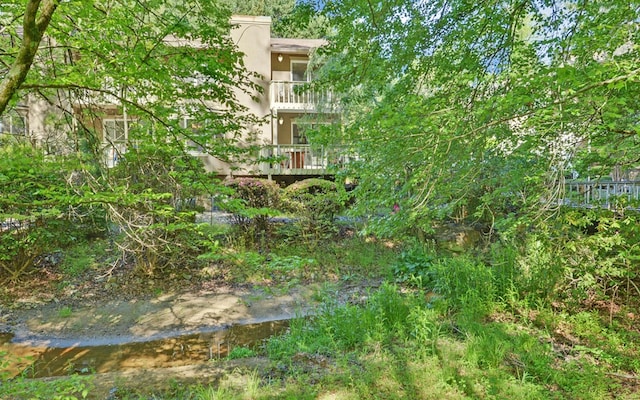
[65, 312]
[71, 388]
[240, 352]
[351, 259]
[83, 256]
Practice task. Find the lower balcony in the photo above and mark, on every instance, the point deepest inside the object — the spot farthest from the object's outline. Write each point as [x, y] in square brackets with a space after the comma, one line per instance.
[302, 159]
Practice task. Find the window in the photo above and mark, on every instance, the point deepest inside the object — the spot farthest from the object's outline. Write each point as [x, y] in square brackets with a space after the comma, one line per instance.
[115, 130]
[297, 132]
[115, 135]
[196, 129]
[299, 71]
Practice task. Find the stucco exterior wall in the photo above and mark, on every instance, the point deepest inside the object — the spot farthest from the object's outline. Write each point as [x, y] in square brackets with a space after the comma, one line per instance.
[252, 36]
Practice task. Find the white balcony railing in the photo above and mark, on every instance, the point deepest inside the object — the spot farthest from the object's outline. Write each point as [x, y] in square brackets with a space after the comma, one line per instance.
[297, 96]
[602, 194]
[301, 159]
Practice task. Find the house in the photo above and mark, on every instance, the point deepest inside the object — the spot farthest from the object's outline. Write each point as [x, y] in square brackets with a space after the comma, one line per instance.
[286, 108]
[290, 105]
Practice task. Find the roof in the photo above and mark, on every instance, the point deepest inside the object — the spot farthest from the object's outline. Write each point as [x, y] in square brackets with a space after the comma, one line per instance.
[295, 46]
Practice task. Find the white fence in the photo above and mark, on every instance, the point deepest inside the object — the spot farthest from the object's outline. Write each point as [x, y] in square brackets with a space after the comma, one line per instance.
[602, 193]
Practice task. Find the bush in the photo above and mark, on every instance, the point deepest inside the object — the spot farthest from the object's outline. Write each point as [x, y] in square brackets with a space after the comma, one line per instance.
[252, 203]
[152, 202]
[599, 255]
[316, 201]
[41, 208]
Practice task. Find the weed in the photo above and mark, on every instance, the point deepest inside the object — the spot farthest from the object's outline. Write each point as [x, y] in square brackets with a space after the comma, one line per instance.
[65, 312]
[80, 258]
[71, 388]
[414, 267]
[240, 352]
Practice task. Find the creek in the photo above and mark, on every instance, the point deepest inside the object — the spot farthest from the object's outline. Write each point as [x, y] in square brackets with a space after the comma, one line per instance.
[45, 358]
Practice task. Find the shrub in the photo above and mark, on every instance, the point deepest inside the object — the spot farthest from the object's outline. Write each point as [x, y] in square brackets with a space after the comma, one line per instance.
[316, 201]
[152, 201]
[600, 254]
[252, 203]
[41, 208]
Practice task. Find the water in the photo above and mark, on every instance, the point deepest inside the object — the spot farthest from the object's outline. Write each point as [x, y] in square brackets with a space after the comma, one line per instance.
[37, 360]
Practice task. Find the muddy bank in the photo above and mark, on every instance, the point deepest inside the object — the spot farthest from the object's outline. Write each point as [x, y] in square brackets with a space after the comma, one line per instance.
[117, 321]
[176, 336]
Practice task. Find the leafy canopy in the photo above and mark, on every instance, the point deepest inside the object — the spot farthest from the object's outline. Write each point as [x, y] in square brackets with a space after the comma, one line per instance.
[482, 107]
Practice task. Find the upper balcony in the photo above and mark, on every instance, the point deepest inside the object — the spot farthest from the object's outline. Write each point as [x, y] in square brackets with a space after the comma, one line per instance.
[298, 96]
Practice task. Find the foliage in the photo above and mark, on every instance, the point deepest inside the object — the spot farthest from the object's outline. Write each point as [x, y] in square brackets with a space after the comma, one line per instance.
[597, 254]
[155, 189]
[56, 203]
[290, 18]
[276, 9]
[380, 344]
[36, 18]
[140, 60]
[304, 21]
[385, 314]
[83, 256]
[252, 203]
[346, 258]
[41, 208]
[143, 56]
[290, 263]
[414, 267]
[72, 388]
[315, 202]
[481, 106]
[240, 352]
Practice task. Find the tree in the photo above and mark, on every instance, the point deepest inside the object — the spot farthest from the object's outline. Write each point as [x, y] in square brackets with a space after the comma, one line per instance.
[273, 8]
[172, 70]
[290, 18]
[458, 107]
[304, 21]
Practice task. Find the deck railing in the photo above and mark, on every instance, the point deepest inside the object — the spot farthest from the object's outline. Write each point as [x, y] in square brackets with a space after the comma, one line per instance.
[303, 159]
[297, 96]
[603, 194]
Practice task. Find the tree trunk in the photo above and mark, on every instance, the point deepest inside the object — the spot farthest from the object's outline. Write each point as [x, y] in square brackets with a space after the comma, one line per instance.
[36, 19]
